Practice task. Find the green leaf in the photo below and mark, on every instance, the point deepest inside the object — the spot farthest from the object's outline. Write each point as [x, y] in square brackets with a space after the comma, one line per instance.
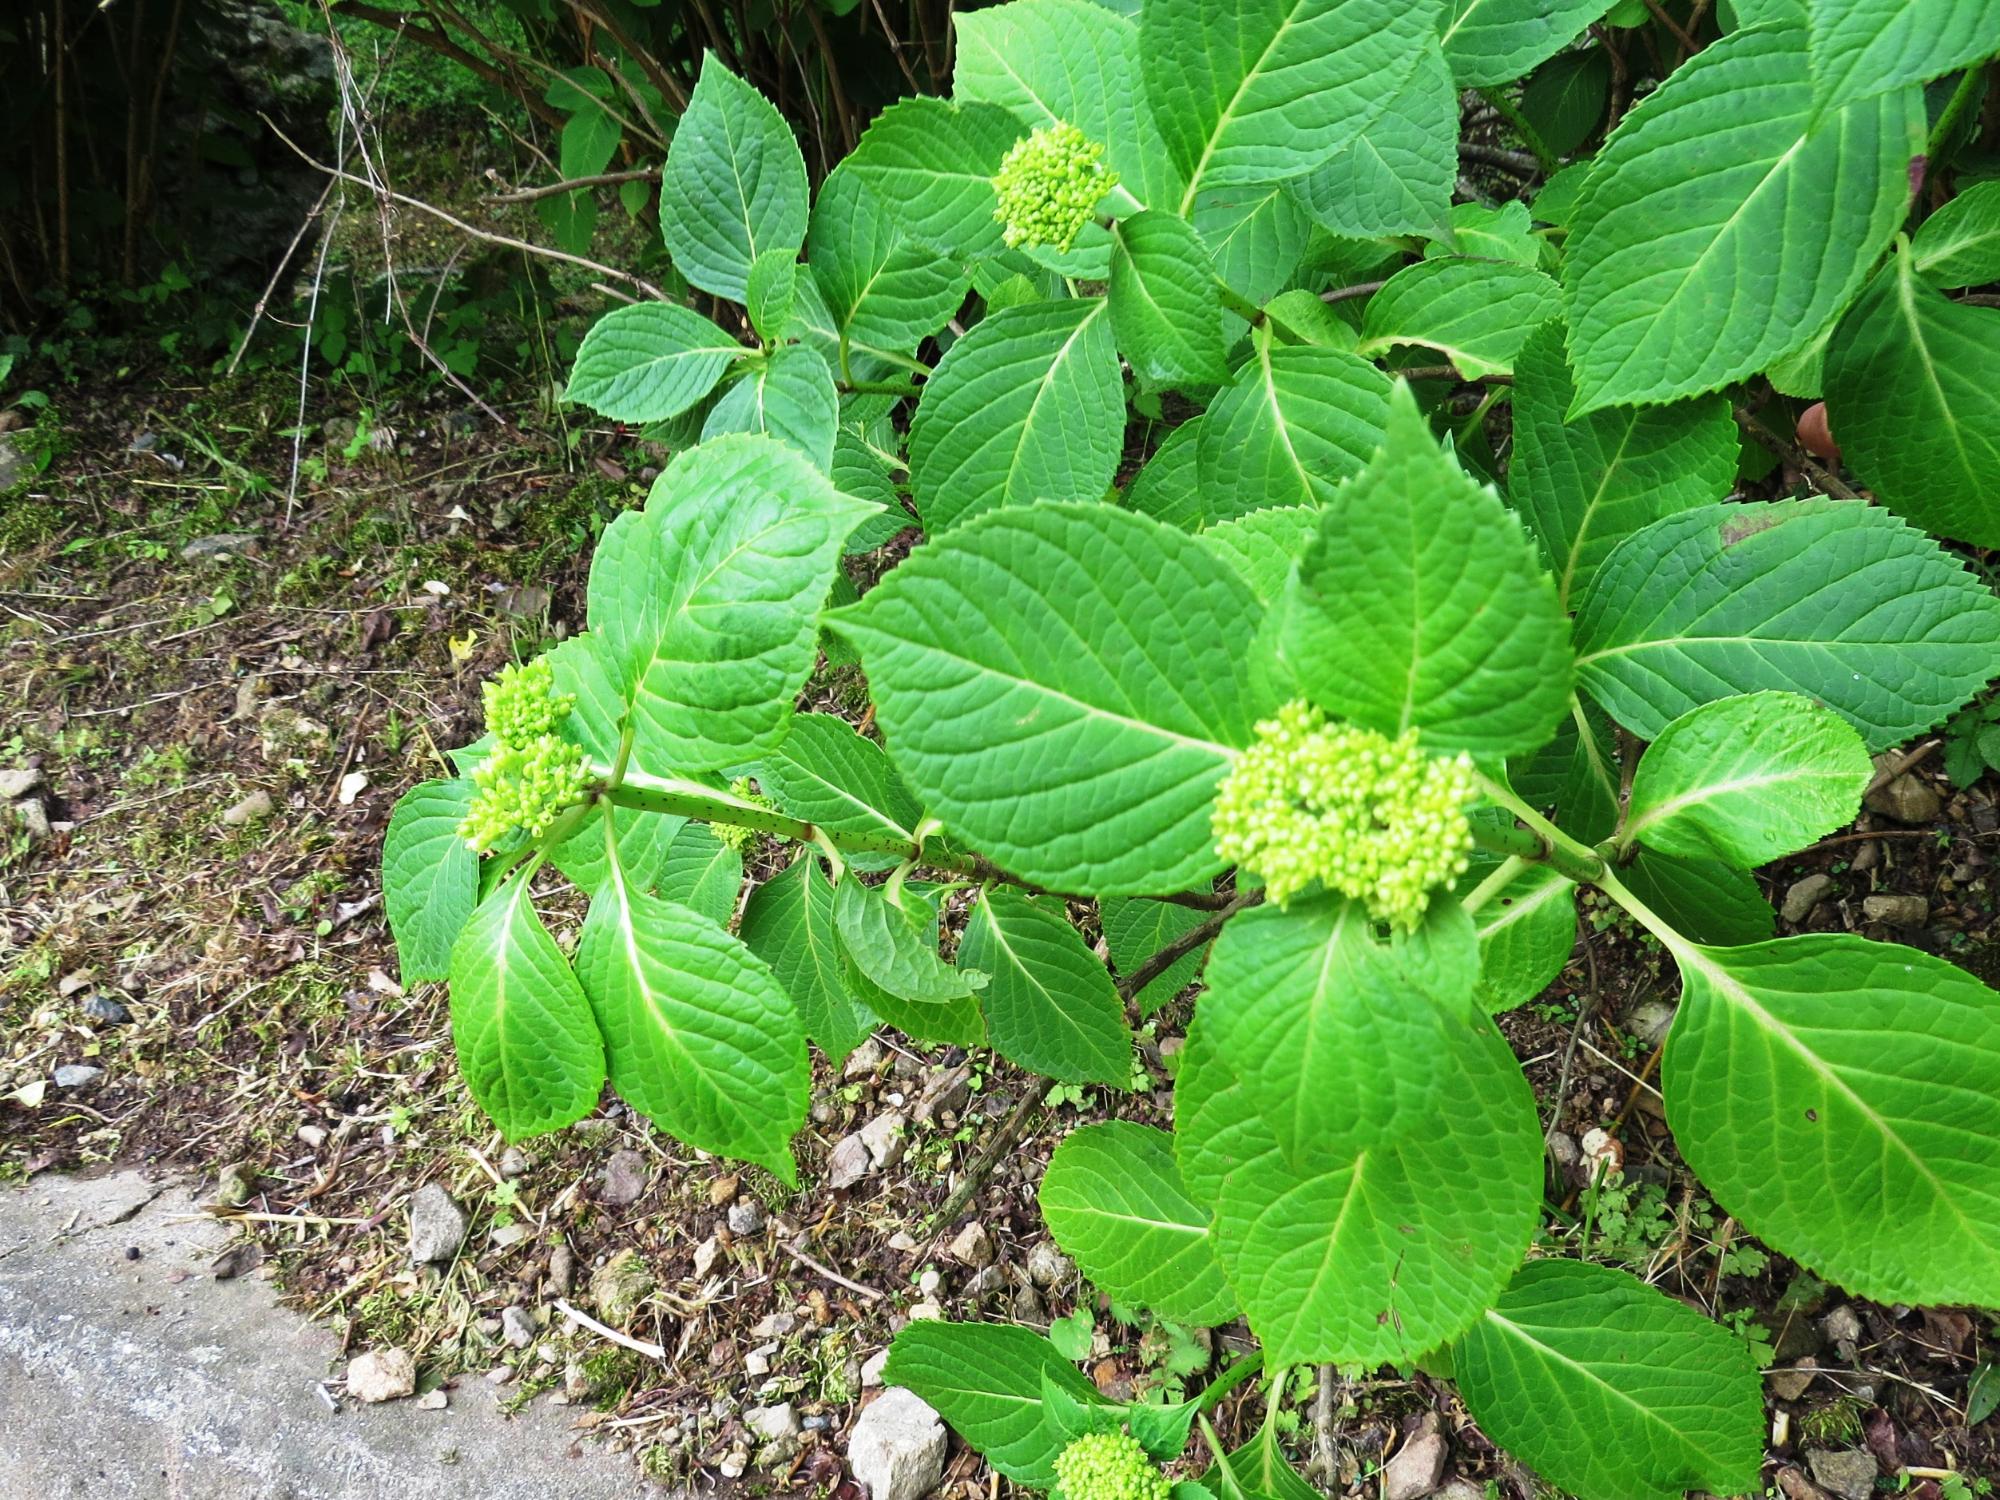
[702, 1038]
[1257, 91]
[1030, 405]
[703, 874]
[788, 923]
[1114, 1201]
[1256, 235]
[1477, 313]
[430, 877]
[1838, 601]
[1503, 233]
[1745, 780]
[1705, 899]
[1583, 486]
[1167, 487]
[1836, 1096]
[788, 395]
[1574, 779]
[1059, 686]
[526, 1043]
[1166, 313]
[1496, 41]
[881, 288]
[1864, 47]
[1420, 603]
[1526, 935]
[931, 164]
[1913, 391]
[892, 967]
[1263, 545]
[734, 184]
[772, 285]
[829, 775]
[1050, 1007]
[1367, 1138]
[986, 1380]
[643, 841]
[1396, 176]
[709, 599]
[1611, 1389]
[1258, 1470]
[1296, 422]
[1959, 245]
[649, 361]
[589, 140]
[1722, 228]
[1136, 929]
[1565, 101]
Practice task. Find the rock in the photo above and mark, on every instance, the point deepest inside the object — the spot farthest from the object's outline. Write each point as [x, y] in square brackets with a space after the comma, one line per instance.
[734, 1463]
[930, 1283]
[1896, 911]
[256, 806]
[1047, 1265]
[562, 1271]
[883, 1136]
[221, 544]
[620, 1286]
[1804, 894]
[1028, 1306]
[77, 1075]
[1462, 1489]
[18, 782]
[745, 1218]
[104, 1011]
[624, 1179]
[872, 1368]
[381, 1375]
[704, 1256]
[1904, 798]
[34, 819]
[517, 1328]
[513, 1163]
[863, 1061]
[927, 1311]
[986, 1282]
[773, 1325]
[848, 1162]
[1790, 1384]
[236, 1184]
[973, 1247]
[1649, 1021]
[437, 1225]
[1418, 1465]
[897, 1447]
[1842, 1328]
[757, 1362]
[947, 1089]
[1847, 1472]
[772, 1423]
[433, 1400]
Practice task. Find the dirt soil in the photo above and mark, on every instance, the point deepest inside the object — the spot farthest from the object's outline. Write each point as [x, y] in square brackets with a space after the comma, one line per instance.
[225, 684]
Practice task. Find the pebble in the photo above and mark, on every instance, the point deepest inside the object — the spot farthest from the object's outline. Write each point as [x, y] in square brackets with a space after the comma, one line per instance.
[848, 1162]
[745, 1218]
[973, 1247]
[33, 818]
[105, 1011]
[1847, 1472]
[863, 1061]
[433, 1400]
[772, 1422]
[774, 1325]
[25, 781]
[437, 1225]
[872, 1368]
[1842, 1328]
[258, 805]
[562, 1270]
[1904, 798]
[734, 1463]
[704, 1256]
[624, 1179]
[619, 1286]
[946, 1090]
[517, 1328]
[221, 544]
[77, 1075]
[1804, 894]
[897, 1447]
[883, 1136]
[1048, 1266]
[381, 1375]
[513, 1163]
[930, 1283]
[1649, 1021]
[1028, 1306]
[1789, 1385]
[1418, 1465]
[1896, 911]
[236, 1184]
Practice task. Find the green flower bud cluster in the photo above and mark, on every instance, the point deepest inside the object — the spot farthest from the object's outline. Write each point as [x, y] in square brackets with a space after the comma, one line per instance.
[1049, 186]
[1109, 1466]
[1373, 818]
[533, 775]
[733, 835]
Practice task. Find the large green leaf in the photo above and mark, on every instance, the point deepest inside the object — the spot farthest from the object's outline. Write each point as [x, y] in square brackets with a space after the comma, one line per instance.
[986, 1379]
[1863, 47]
[1745, 780]
[1166, 312]
[1063, 686]
[702, 1038]
[788, 922]
[891, 965]
[1838, 601]
[649, 361]
[708, 600]
[1723, 227]
[643, 841]
[1959, 245]
[1050, 1006]
[1263, 545]
[1395, 177]
[881, 287]
[1567, 97]
[526, 1043]
[1114, 1201]
[787, 394]
[931, 164]
[1295, 422]
[1030, 405]
[1496, 41]
[1420, 604]
[1583, 486]
[1167, 486]
[1378, 1206]
[1135, 929]
[1703, 899]
[1526, 935]
[1256, 234]
[1477, 313]
[1256, 91]
[1611, 1389]
[1838, 1097]
[826, 773]
[1913, 395]
[734, 184]
[430, 876]
[772, 292]
[701, 873]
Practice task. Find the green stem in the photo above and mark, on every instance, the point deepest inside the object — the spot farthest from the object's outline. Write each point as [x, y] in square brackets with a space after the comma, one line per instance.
[1508, 871]
[1518, 122]
[1227, 1381]
[1670, 936]
[1237, 303]
[1954, 111]
[1563, 854]
[880, 388]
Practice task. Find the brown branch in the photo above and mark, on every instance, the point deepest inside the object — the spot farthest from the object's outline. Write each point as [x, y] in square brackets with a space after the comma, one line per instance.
[1001, 1143]
[553, 189]
[1186, 943]
[1347, 293]
[437, 40]
[1824, 477]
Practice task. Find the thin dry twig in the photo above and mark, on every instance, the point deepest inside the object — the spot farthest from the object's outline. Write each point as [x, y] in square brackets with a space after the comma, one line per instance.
[623, 1340]
[830, 1274]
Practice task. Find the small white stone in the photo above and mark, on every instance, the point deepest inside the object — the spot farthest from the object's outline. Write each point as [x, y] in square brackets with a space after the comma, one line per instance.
[381, 1375]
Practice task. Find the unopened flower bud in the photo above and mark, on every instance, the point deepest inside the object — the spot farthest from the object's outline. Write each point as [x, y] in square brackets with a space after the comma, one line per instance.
[1049, 186]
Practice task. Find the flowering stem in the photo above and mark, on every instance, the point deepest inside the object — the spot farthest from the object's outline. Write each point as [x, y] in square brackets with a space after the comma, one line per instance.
[1541, 841]
[1227, 1381]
